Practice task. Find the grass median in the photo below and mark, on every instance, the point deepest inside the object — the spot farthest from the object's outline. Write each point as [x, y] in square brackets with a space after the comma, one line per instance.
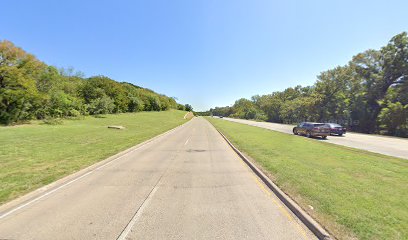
[37, 154]
[353, 193]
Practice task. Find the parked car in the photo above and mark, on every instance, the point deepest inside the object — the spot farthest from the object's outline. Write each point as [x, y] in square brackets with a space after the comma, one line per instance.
[310, 129]
[337, 129]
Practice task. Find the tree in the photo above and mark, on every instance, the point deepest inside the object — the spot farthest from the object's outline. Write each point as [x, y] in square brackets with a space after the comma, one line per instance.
[112, 89]
[244, 108]
[330, 93]
[135, 104]
[369, 94]
[393, 119]
[154, 103]
[103, 105]
[18, 70]
[188, 107]
[31, 89]
[377, 72]
[181, 107]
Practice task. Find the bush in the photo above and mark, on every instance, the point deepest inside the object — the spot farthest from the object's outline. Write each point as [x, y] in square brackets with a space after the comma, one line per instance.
[181, 107]
[102, 105]
[74, 113]
[393, 119]
[154, 103]
[135, 104]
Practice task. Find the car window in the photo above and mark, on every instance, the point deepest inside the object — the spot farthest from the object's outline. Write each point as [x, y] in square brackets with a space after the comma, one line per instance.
[319, 124]
[335, 125]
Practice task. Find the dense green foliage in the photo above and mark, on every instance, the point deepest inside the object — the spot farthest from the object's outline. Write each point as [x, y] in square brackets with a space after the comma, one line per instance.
[188, 108]
[369, 94]
[30, 89]
[354, 194]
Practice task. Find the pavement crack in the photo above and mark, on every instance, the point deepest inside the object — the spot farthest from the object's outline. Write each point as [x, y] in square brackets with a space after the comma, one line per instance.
[128, 228]
[138, 212]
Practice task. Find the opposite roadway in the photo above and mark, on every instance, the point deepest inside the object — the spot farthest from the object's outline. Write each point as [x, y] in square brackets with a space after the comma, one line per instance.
[392, 146]
[188, 184]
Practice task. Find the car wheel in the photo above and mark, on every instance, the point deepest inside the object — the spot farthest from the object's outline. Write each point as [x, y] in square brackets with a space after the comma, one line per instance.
[295, 132]
[324, 137]
[308, 134]
[341, 134]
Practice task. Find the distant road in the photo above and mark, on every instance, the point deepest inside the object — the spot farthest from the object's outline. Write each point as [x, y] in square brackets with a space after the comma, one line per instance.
[397, 147]
[188, 184]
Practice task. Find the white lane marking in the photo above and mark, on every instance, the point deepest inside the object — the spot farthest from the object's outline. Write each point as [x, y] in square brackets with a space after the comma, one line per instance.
[186, 141]
[143, 144]
[139, 213]
[42, 196]
[145, 203]
[64, 185]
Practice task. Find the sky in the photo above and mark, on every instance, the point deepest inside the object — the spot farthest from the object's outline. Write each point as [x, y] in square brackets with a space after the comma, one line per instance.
[205, 52]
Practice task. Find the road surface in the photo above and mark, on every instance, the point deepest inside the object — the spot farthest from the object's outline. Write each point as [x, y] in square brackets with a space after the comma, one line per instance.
[187, 184]
[397, 147]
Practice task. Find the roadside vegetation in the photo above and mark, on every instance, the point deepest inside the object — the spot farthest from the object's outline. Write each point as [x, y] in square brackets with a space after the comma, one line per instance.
[369, 94]
[31, 89]
[353, 193]
[37, 154]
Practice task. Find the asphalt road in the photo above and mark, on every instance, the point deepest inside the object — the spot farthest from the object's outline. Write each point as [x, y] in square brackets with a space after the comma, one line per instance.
[392, 146]
[188, 184]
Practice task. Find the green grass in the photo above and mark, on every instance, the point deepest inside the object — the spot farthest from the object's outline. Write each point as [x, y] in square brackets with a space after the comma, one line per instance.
[37, 154]
[355, 194]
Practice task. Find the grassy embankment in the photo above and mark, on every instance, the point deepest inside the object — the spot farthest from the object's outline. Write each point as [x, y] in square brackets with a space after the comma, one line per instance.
[354, 193]
[37, 154]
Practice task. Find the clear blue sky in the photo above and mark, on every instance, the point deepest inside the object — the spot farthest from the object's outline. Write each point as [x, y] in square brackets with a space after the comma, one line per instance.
[206, 52]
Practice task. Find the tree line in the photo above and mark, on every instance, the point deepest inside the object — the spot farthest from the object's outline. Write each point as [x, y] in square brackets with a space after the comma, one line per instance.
[369, 94]
[31, 89]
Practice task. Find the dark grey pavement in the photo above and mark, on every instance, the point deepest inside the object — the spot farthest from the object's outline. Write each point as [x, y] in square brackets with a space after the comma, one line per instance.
[392, 146]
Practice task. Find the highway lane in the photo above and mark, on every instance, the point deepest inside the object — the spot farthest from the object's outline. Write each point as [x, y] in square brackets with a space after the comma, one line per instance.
[188, 184]
[392, 146]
